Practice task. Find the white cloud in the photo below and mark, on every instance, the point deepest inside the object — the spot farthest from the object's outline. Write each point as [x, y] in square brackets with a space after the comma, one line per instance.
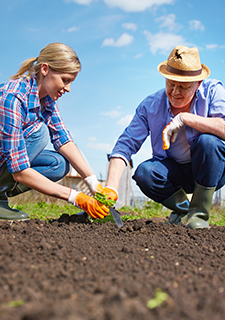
[125, 120]
[139, 55]
[163, 42]
[128, 5]
[94, 144]
[136, 5]
[130, 26]
[115, 113]
[212, 46]
[168, 22]
[72, 29]
[196, 25]
[124, 40]
[83, 2]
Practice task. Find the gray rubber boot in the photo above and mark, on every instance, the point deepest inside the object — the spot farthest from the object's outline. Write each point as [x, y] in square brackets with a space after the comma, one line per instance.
[198, 215]
[7, 183]
[179, 203]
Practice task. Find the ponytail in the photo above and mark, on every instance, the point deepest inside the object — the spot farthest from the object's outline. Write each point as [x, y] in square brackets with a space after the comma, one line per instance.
[60, 58]
[27, 67]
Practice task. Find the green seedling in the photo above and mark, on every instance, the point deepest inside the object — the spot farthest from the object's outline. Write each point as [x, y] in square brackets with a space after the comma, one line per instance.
[104, 199]
[13, 304]
[160, 297]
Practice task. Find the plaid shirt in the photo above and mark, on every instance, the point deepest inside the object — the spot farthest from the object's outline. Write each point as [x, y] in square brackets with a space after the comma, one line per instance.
[21, 114]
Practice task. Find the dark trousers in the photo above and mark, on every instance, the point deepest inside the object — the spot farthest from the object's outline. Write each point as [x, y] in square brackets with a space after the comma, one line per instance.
[49, 163]
[159, 179]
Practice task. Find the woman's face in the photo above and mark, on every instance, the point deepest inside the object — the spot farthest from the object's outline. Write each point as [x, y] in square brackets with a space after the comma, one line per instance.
[53, 83]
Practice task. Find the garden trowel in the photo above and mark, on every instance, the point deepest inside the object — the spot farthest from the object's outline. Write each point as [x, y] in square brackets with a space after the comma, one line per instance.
[116, 217]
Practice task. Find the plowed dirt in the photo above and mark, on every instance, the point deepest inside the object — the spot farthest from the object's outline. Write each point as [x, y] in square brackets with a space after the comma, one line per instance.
[62, 270]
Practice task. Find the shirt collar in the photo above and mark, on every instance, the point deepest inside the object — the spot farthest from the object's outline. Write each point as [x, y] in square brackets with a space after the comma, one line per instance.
[45, 101]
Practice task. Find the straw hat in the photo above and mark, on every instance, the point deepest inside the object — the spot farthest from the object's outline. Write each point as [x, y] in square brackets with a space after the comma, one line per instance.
[184, 65]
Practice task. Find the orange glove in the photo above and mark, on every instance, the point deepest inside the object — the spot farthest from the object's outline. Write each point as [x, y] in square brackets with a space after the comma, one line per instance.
[110, 192]
[94, 184]
[93, 207]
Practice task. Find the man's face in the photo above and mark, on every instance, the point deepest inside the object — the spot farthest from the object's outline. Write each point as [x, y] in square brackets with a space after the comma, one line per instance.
[180, 94]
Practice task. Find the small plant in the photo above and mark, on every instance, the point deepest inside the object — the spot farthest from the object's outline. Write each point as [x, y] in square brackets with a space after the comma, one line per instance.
[104, 199]
[160, 297]
[13, 304]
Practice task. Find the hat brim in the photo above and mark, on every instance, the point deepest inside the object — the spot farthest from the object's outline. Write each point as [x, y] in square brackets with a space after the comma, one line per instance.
[176, 77]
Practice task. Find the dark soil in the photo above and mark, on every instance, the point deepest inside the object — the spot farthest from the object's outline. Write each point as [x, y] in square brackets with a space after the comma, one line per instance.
[64, 270]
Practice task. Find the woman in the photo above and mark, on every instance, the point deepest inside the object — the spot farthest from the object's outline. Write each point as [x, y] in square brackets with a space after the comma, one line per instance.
[28, 115]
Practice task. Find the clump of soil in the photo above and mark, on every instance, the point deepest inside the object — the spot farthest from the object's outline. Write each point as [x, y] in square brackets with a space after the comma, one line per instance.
[69, 270]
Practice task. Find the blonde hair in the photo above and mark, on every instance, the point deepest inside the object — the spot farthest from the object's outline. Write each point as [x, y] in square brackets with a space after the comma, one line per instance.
[60, 58]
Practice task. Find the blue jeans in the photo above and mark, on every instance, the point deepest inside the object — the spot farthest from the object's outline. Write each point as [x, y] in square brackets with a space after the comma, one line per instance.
[159, 179]
[49, 163]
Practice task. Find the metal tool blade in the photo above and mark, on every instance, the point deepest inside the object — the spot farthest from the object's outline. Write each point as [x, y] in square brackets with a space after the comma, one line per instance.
[116, 217]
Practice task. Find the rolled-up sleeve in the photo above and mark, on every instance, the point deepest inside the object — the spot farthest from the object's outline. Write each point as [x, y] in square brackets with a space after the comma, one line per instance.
[13, 148]
[217, 100]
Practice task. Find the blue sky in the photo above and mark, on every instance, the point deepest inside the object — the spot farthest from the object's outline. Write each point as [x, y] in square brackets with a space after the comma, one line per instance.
[120, 43]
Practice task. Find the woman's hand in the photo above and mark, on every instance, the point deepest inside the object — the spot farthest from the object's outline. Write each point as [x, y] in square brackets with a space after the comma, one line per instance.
[93, 207]
[93, 184]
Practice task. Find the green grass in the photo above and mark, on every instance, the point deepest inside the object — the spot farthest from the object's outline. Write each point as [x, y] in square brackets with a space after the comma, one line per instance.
[150, 209]
[217, 216]
[42, 210]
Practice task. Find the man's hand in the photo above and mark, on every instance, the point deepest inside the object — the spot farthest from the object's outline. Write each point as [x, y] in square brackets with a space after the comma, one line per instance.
[171, 131]
[93, 207]
[94, 184]
[110, 192]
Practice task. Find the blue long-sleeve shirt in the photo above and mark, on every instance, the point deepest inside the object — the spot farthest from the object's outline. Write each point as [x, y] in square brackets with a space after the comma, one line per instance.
[154, 113]
[21, 113]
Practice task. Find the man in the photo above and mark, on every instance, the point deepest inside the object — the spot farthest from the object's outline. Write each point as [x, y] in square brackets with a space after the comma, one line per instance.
[185, 122]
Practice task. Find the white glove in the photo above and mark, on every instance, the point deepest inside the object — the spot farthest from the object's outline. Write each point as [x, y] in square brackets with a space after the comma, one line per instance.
[171, 131]
[72, 197]
[93, 183]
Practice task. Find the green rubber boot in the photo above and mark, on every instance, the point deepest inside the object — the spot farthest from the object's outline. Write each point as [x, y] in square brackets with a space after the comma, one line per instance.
[17, 189]
[7, 183]
[198, 215]
[179, 203]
